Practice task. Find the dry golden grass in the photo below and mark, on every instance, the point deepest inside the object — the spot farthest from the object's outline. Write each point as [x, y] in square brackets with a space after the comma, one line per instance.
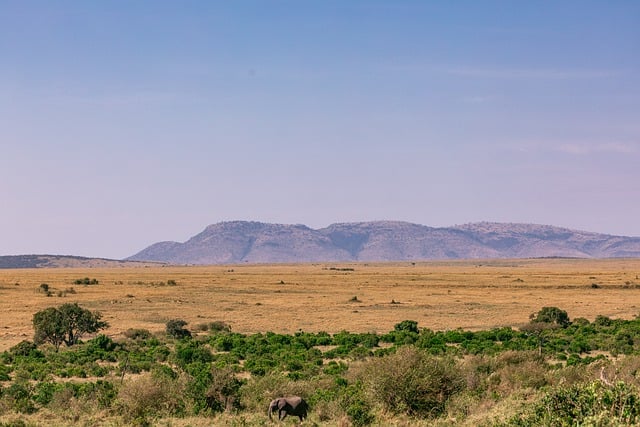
[320, 297]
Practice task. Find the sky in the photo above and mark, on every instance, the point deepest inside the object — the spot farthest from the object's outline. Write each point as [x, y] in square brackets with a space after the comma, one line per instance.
[126, 123]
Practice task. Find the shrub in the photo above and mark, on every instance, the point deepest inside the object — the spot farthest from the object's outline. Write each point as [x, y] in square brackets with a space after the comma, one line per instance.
[223, 393]
[4, 374]
[137, 334]
[147, 396]
[335, 368]
[360, 413]
[101, 343]
[192, 351]
[351, 400]
[407, 325]
[584, 404]
[516, 376]
[602, 321]
[411, 381]
[44, 392]
[360, 353]
[219, 326]
[19, 397]
[26, 349]
[175, 328]
[86, 281]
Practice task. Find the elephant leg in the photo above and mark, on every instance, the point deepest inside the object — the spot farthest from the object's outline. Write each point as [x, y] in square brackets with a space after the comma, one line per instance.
[282, 414]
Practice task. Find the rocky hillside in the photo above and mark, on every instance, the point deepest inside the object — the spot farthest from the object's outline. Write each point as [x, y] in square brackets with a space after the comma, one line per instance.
[62, 261]
[256, 242]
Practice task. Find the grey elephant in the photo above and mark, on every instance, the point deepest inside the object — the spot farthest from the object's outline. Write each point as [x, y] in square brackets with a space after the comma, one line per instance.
[293, 405]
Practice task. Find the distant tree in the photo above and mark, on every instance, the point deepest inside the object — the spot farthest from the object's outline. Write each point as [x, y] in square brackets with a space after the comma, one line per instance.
[602, 320]
[539, 330]
[175, 328]
[49, 327]
[551, 315]
[544, 321]
[66, 324]
[407, 325]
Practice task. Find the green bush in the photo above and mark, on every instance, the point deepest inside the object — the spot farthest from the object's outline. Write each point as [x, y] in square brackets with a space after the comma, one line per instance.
[175, 328]
[223, 393]
[4, 373]
[411, 381]
[137, 334]
[552, 315]
[192, 351]
[24, 350]
[18, 397]
[335, 368]
[407, 325]
[582, 404]
[353, 401]
[360, 414]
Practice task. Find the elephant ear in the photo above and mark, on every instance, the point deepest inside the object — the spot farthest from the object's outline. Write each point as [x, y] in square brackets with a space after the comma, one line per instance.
[282, 403]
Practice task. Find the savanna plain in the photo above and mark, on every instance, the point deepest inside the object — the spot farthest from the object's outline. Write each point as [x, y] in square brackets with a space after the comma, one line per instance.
[329, 299]
[470, 295]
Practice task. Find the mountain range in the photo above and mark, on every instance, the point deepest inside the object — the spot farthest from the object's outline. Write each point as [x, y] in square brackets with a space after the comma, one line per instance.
[256, 242]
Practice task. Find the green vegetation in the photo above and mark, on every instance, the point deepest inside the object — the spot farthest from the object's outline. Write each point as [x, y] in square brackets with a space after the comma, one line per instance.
[551, 315]
[554, 372]
[175, 328]
[593, 403]
[65, 324]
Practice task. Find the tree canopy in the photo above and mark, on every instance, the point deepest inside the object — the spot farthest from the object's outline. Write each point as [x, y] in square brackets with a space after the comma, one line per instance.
[552, 315]
[65, 324]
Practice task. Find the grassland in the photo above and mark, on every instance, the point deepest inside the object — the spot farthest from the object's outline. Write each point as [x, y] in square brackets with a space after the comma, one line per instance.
[358, 297]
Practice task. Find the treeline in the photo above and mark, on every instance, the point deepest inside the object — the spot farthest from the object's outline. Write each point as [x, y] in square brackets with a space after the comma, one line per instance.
[552, 370]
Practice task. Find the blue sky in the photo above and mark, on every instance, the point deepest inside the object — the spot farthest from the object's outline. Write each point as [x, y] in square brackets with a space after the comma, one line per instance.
[125, 123]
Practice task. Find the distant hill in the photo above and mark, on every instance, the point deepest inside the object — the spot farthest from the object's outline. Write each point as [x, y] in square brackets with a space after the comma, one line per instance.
[55, 261]
[256, 242]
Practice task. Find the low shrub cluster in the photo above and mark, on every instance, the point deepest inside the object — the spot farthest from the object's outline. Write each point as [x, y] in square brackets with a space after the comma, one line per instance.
[86, 281]
[594, 403]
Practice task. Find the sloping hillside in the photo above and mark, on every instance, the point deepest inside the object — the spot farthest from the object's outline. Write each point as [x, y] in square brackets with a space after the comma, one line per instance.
[59, 261]
[256, 242]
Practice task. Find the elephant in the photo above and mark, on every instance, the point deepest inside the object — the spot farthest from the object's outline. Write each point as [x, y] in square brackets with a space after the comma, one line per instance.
[293, 405]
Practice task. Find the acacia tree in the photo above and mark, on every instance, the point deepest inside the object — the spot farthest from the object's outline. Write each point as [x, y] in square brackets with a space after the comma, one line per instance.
[66, 324]
[49, 327]
[545, 320]
[552, 315]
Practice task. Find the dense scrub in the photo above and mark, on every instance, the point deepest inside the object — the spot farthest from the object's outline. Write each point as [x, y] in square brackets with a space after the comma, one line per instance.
[552, 372]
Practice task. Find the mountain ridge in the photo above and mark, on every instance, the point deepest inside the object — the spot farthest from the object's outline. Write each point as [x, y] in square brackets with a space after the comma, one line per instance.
[65, 261]
[231, 242]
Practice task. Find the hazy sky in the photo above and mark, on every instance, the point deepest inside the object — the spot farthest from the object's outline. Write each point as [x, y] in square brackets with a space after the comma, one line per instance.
[125, 123]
